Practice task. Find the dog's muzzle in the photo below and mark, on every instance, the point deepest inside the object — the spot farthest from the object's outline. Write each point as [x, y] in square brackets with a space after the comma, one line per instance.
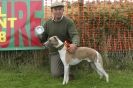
[46, 44]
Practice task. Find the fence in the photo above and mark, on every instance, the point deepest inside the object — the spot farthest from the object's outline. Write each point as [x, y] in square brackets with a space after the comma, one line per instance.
[96, 20]
[106, 26]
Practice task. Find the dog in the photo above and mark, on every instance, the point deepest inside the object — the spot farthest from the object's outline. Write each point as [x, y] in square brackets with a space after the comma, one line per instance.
[80, 54]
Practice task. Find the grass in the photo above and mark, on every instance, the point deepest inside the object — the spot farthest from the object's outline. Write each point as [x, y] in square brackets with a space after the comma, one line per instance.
[42, 79]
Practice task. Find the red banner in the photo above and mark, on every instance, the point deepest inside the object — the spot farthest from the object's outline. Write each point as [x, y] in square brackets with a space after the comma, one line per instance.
[17, 22]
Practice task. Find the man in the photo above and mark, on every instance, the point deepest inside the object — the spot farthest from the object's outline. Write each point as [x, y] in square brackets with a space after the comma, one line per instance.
[65, 29]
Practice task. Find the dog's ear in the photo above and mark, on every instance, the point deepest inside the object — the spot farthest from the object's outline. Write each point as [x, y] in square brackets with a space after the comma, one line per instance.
[55, 37]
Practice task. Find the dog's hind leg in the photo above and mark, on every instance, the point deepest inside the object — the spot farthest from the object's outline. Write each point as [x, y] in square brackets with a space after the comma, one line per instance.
[100, 69]
[94, 67]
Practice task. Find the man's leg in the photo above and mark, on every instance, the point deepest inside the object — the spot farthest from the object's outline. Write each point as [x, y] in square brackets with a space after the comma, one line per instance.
[56, 65]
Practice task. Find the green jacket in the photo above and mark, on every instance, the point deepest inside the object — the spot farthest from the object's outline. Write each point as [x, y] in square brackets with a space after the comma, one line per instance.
[64, 29]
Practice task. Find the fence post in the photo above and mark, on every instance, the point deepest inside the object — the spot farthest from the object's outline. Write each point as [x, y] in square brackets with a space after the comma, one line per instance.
[105, 49]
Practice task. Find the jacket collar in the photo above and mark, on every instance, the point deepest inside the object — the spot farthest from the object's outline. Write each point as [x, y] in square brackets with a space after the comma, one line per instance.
[57, 20]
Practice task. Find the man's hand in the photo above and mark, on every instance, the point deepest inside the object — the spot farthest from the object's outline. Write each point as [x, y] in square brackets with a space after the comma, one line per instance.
[72, 48]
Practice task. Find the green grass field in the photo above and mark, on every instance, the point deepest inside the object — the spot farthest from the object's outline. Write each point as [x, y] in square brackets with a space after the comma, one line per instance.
[42, 79]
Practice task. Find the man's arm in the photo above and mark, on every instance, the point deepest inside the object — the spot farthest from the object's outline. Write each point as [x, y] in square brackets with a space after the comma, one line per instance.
[44, 36]
[73, 33]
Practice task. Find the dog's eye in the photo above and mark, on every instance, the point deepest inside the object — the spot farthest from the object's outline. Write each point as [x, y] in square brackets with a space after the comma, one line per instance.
[49, 40]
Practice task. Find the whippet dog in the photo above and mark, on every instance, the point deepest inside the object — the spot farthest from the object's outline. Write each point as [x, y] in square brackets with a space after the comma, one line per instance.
[81, 53]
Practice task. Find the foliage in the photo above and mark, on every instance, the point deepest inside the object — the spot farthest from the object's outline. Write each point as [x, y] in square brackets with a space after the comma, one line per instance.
[107, 27]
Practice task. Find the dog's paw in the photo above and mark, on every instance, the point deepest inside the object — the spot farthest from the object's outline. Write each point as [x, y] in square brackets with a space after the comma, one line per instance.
[107, 78]
[64, 83]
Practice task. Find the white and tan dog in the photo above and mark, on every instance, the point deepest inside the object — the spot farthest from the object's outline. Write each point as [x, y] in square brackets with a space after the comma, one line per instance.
[81, 53]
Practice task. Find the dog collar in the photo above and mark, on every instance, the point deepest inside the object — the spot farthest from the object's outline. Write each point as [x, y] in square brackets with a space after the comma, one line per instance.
[60, 47]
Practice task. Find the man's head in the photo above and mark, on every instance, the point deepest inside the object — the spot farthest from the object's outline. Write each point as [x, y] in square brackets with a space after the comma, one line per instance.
[57, 9]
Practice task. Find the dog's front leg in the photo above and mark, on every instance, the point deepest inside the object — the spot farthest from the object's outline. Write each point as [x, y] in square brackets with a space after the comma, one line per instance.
[66, 66]
[67, 78]
[66, 74]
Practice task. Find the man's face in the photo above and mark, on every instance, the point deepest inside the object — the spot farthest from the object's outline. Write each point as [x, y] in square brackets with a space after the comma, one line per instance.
[57, 12]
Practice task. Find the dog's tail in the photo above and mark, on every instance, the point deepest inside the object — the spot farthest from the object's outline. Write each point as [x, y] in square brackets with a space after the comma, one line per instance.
[99, 58]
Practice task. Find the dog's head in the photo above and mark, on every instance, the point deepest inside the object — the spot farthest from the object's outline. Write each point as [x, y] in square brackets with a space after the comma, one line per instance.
[53, 41]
